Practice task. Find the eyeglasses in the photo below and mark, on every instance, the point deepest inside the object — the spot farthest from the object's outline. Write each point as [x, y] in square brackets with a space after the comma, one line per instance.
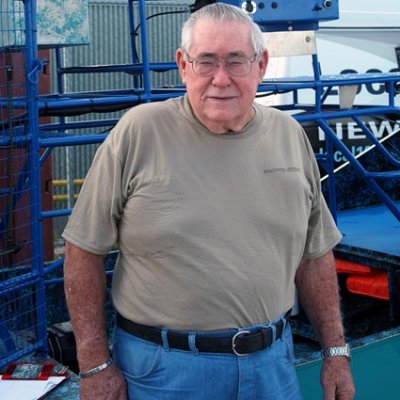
[236, 65]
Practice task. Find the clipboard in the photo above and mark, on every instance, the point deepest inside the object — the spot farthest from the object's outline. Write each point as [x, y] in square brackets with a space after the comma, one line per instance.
[30, 380]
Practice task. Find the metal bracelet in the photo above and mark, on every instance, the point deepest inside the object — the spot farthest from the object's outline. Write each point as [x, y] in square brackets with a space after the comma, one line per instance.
[340, 351]
[97, 369]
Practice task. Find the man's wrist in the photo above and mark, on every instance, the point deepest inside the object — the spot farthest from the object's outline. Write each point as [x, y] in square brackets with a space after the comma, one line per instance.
[95, 370]
[337, 351]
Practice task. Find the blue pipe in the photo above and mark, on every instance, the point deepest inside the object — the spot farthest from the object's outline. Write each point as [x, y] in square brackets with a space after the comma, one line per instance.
[53, 266]
[129, 68]
[56, 213]
[34, 170]
[77, 125]
[347, 113]
[68, 140]
[145, 52]
[331, 182]
[18, 283]
[376, 142]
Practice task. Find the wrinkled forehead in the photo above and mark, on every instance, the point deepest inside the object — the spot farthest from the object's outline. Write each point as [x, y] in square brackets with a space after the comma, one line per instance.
[221, 37]
[231, 54]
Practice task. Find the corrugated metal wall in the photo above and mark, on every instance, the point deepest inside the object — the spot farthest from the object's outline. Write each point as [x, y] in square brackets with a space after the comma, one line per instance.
[110, 44]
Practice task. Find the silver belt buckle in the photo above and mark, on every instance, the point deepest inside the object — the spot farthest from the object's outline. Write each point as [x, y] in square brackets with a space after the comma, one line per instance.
[235, 336]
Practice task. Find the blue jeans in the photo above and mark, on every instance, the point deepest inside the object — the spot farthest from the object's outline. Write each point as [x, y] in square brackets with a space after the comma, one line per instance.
[155, 372]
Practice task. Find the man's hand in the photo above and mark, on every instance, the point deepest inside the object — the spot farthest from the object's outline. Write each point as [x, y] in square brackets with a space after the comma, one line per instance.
[108, 384]
[336, 380]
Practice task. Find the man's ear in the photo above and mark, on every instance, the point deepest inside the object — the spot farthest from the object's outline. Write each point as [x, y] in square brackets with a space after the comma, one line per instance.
[262, 63]
[182, 64]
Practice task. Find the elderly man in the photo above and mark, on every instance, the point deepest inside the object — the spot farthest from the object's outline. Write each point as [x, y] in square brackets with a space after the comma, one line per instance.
[215, 204]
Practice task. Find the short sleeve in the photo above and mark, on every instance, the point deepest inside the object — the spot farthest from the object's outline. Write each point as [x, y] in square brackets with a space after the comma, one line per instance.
[322, 232]
[93, 225]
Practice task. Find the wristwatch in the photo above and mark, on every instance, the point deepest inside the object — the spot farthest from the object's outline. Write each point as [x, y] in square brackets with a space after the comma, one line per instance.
[340, 351]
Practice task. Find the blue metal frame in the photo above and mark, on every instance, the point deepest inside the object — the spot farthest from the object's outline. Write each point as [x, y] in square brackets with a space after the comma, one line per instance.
[32, 61]
[29, 179]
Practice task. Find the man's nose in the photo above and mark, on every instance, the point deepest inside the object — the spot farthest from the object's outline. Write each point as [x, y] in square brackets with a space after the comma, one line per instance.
[221, 76]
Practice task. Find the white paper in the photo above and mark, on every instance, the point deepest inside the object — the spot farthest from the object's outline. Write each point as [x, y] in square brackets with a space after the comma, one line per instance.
[13, 389]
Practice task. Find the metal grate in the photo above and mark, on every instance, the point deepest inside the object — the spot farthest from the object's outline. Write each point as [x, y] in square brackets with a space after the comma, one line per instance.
[22, 303]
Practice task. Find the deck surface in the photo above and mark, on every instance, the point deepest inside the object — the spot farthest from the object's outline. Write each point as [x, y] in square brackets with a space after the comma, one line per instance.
[374, 366]
[374, 229]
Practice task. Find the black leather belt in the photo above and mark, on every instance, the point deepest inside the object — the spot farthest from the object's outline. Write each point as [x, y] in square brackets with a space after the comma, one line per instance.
[241, 343]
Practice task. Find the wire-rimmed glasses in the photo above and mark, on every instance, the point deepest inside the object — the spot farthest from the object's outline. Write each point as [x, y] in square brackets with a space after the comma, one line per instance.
[234, 64]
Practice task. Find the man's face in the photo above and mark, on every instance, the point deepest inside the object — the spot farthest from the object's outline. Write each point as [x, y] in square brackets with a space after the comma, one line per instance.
[222, 102]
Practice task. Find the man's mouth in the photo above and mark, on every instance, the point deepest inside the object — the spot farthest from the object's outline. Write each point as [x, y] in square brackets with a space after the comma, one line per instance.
[220, 98]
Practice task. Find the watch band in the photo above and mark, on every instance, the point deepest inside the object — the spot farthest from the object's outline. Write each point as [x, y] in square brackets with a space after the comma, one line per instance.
[340, 351]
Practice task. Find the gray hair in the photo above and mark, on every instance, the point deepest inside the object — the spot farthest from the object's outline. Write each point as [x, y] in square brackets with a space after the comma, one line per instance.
[220, 12]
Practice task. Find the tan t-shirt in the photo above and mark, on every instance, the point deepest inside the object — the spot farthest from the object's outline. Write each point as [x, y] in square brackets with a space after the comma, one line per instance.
[211, 228]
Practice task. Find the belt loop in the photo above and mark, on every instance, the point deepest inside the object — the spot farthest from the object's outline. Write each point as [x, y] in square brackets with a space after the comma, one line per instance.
[192, 342]
[273, 327]
[164, 338]
[284, 322]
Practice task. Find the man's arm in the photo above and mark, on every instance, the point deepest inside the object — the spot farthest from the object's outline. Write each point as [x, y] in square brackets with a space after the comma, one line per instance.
[317, 286]
[85, 289]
